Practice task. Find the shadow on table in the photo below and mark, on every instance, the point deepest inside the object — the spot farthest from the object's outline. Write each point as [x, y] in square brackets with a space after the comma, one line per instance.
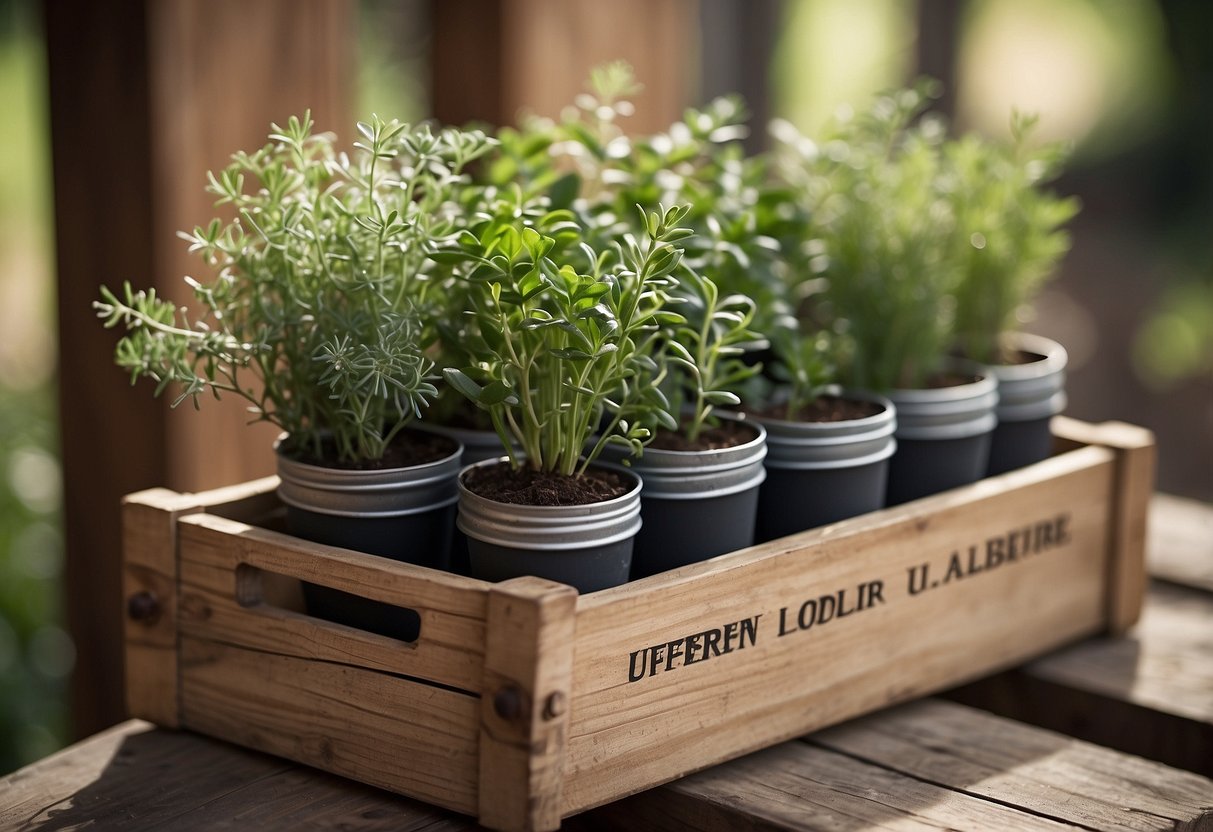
[168, 780]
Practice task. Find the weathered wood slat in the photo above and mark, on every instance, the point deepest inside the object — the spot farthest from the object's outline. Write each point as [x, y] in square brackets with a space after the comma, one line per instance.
[1180, 542]
[1036, 771]
[924, 766]
[136, 777]
[1150, 693]
[524, 711]
[222, 602]
[373, 727]
[625, 736]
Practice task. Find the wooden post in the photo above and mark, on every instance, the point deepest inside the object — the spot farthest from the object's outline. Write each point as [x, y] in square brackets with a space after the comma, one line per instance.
[528, 667]
[145, 97]
[1136, 456]
[492, 60]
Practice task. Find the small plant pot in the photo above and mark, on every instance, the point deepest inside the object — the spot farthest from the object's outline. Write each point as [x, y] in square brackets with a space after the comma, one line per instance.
[588, 547]
[943, 434]
[1030, 394]
[822, 472]
[478, 445]
[406, 514]
[696, 504]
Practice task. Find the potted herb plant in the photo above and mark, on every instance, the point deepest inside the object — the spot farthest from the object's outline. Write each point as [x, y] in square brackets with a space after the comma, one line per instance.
[701, 472]
[312, 319]
[1008, 239]
[884, 222]
[562, 329]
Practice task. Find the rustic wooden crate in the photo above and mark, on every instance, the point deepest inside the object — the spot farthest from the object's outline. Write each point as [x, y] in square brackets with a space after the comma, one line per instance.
[522, 703]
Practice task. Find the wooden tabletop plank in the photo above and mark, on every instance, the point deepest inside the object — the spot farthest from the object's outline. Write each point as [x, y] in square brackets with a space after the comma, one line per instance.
[139, 777]
[926, 765]
[1179, 545]
[1150, 693]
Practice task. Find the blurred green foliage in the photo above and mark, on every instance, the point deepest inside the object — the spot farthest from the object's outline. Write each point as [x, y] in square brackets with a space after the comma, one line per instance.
[36, 655]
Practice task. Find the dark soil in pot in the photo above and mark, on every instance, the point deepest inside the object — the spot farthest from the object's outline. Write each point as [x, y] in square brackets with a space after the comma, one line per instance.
[577, 531]
[825, 463]
[401, 507]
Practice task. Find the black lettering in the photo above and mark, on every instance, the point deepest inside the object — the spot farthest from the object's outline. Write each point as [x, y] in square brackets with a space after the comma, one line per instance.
[783, 617]
[843, 612]
[730, 633]
[692, 646]
[656, 657]
[711, 642]
[1063, 533]
[673, 650]
[973, 567]
[876, 590]
[954, 568]
[633, 675]
[807, 605]
[822, 615]
[749, 627]
[994, 552]
[918, 578]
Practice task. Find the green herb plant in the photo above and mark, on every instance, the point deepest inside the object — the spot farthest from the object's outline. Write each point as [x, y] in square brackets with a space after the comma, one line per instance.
[704, 350]
[566, 332]
[882, 223]
[313, 317]
[1008, 236]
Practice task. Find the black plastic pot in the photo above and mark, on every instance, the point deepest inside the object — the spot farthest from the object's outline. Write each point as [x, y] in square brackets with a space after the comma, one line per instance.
[943, 434]
[405, 514]
[695, 504]
[1029, 396]
[478, 445]
[588, 547]
[822, 472]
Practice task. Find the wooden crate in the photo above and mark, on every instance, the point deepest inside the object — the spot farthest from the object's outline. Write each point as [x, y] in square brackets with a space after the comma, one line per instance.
[522, 703]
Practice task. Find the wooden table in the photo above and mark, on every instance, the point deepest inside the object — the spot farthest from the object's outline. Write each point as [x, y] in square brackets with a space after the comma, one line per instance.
[1106, 705]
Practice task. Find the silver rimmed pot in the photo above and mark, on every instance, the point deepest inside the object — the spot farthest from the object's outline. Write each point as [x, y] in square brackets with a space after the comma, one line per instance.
[406, 514]
[1030, 394]
[822, 472]
[943, 433]
[696, 504]
[588, 547]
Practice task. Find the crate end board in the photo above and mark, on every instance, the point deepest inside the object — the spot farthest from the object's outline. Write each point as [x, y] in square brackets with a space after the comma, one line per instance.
[728, 655]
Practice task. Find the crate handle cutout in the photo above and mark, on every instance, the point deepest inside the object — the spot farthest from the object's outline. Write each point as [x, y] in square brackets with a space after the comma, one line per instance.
[326, 604]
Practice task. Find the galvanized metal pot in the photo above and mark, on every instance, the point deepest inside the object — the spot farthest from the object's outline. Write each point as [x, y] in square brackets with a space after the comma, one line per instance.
[1029, 396]
[588, 547]
[943, 434]
[406, 514]
[822, 472]
[695, 504]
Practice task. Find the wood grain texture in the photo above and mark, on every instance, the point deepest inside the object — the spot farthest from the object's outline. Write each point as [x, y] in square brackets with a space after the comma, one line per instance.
[1150, 693]
[1036, 771]
[1180, 541]
[1137, 459]
[625, 736]
[215, 551]
[150, 578]
[136, 777]
[380, 729]
[524, 714]
[162, 91]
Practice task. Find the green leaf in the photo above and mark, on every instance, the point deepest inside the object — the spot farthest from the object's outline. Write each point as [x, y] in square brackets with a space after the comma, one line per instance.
[462, 384]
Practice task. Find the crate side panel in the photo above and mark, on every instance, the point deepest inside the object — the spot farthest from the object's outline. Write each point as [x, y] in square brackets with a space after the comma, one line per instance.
[769, 659]
[397, 734]
[221, 603]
